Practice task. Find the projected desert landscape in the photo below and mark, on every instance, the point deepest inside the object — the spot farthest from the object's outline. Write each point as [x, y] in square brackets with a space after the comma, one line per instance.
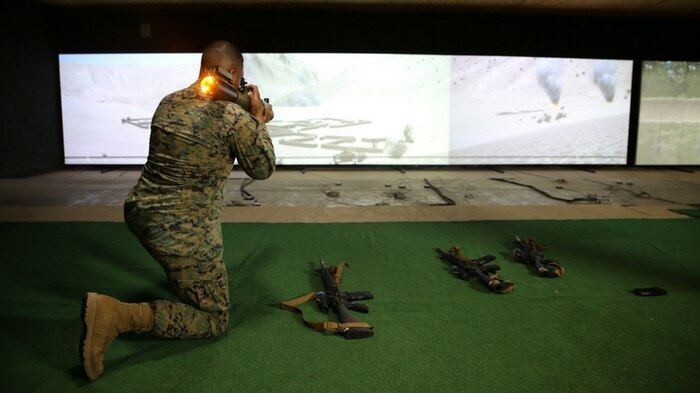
[508, 110]
[103, 99]
[329, 109]
[357, 109]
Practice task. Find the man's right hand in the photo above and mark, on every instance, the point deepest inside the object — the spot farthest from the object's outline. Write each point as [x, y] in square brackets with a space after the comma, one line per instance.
[260, 109]
[269, 114]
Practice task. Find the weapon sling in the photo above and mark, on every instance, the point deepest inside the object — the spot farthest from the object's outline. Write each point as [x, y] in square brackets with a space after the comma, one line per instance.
[330, 326]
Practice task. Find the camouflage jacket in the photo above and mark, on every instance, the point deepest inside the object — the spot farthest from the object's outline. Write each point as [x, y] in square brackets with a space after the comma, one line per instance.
[175, 207]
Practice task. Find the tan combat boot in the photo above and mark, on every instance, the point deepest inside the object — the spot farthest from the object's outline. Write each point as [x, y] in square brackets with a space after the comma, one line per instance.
[105, 317]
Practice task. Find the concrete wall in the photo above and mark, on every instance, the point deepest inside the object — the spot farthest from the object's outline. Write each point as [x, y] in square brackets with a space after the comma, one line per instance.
[30, 129]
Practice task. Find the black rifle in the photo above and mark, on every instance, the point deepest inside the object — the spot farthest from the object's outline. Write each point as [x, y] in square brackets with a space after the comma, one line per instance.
[530, 252]
[217, 83]
[341, 303]
[465, 268]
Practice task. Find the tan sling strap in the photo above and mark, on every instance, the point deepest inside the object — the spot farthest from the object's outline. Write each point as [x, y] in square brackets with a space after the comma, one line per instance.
[330, 326]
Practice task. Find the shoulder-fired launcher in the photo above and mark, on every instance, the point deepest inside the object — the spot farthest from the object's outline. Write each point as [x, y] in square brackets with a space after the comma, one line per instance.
[217, 84]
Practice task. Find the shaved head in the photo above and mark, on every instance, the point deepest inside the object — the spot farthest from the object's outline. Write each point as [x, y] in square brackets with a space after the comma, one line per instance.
[221, 54]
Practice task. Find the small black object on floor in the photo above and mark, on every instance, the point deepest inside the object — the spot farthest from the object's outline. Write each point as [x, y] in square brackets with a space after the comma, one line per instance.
[652, 291]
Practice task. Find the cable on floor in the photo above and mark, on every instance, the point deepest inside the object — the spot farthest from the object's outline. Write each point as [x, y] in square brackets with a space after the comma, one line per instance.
[588, 198]
[448, 201]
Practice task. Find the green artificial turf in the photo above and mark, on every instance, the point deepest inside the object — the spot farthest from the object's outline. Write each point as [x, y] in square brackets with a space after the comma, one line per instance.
[694, 213]
[583, 332]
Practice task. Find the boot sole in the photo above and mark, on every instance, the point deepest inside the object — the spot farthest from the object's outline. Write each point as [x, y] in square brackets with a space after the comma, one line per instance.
[89, 313]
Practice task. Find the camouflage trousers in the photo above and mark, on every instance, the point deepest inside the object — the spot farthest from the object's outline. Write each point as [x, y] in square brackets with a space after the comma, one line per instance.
[203, 288]
[200, 284]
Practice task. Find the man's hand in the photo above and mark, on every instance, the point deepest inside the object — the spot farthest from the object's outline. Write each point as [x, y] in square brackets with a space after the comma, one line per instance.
[260, 109]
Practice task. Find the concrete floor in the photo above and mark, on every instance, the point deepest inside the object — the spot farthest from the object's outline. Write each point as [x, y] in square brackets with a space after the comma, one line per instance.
[344, 187]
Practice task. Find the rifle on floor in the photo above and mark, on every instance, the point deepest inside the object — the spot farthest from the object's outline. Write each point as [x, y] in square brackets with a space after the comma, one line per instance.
[331, 298]
[466, 268]
[529, 252]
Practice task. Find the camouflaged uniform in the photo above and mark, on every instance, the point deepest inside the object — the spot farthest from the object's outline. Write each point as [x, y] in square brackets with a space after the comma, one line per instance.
[175, 208]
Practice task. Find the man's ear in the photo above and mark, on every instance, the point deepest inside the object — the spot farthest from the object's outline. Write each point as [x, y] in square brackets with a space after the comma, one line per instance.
[233, 73]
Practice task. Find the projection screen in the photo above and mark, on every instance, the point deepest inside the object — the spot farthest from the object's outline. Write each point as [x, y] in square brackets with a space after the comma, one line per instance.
[669, 114]
[370, 109]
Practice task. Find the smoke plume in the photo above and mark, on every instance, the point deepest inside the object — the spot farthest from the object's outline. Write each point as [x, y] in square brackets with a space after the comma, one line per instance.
[549, 76]
[604, 75]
